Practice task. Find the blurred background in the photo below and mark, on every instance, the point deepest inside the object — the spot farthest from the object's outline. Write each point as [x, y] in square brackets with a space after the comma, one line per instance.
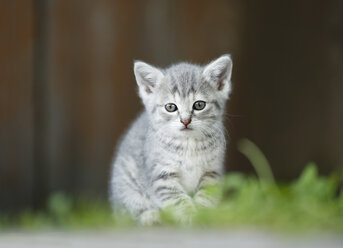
[67, 89]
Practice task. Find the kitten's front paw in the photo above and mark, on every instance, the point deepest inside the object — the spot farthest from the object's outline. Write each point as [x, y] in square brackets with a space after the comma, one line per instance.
[208, 197]
[149, 217]
[185, 212]
[203, 200]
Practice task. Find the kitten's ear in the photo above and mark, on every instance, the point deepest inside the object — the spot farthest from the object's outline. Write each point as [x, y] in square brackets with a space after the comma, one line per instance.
[218, 73]
[147, 76]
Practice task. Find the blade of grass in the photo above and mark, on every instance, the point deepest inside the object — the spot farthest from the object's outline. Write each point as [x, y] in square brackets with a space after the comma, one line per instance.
[257, 159]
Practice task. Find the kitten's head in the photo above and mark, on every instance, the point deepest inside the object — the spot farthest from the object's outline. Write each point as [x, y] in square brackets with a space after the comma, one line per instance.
[185, 99]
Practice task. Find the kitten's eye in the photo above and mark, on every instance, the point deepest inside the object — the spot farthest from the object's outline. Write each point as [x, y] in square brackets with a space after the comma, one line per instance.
[199, 105]
[170, 107]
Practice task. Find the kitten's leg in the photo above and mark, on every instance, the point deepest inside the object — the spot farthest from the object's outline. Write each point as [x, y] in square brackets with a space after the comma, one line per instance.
[169, 193]
[208, 196]
[129, 193]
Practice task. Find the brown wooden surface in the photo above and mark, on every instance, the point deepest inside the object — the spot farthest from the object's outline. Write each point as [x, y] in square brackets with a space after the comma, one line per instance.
[16, 106]
[67, 89]
[289, 87]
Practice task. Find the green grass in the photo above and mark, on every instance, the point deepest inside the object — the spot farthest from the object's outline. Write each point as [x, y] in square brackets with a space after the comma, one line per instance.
[66, 212]
[311, 202]
[308, 203]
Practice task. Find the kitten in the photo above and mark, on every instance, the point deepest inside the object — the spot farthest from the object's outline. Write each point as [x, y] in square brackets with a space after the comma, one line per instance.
[177, 145]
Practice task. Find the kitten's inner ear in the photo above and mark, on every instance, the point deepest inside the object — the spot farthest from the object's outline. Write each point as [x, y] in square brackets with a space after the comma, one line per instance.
[218, 72]
[147, 76]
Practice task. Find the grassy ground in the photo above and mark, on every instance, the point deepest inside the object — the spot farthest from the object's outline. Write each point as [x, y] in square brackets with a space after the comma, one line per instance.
[311, 202]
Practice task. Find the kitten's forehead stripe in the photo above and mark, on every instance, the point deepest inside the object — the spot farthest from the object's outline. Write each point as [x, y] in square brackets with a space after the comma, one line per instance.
[175, 90]
[184, 79]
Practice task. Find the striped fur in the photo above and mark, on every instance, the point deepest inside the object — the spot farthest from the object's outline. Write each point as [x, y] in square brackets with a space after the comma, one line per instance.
[159, 163]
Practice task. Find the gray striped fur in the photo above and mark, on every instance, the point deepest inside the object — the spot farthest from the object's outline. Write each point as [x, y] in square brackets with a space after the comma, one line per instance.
[158, 163]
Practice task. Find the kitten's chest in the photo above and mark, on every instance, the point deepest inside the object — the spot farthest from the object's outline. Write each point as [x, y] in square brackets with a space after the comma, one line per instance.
[193, 164]
[190, 158]
[191, 169]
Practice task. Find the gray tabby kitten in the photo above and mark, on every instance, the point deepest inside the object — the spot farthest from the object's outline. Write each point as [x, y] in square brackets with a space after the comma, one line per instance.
[177, 145]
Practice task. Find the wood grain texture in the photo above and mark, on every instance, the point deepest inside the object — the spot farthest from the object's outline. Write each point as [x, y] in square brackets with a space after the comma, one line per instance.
[16, 104]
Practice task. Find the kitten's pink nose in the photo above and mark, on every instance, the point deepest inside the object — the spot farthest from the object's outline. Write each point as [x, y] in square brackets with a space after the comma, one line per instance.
[186, 122]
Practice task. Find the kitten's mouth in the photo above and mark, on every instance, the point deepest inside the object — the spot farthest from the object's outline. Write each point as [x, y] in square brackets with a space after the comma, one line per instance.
[186, 129]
